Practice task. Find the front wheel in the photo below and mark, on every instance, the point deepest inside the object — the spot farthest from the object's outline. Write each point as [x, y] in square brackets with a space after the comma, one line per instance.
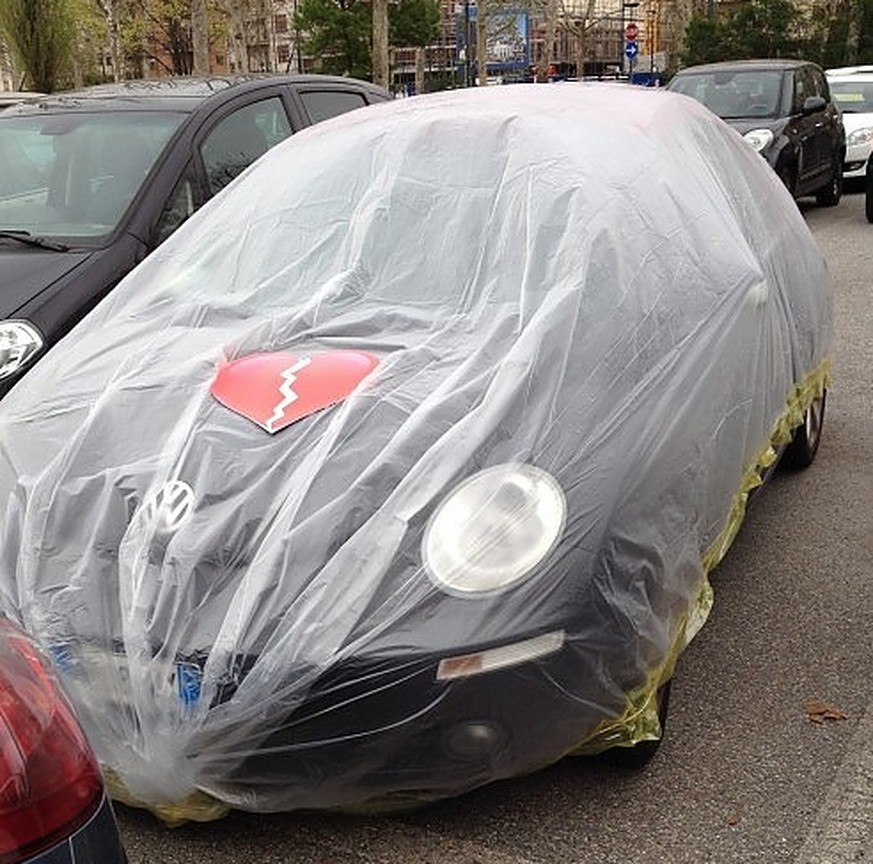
[829, 196]
[800, 453]
[641, 754]
[789, 181]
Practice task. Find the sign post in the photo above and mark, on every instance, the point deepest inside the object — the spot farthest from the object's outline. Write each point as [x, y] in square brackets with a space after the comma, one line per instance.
[631, 48]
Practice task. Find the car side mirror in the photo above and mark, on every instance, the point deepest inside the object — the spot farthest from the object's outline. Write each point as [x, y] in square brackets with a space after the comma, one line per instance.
[812, 104]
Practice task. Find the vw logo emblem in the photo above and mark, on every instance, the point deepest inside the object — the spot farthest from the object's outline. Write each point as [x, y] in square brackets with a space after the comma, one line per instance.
[170, 506]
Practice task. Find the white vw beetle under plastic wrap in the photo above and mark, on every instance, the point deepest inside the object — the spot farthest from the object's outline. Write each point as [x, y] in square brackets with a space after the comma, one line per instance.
[401, 467]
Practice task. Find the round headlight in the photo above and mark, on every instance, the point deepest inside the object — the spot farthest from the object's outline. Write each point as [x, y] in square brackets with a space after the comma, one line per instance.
[859, 136]
[19, 343]
[494, 529]
[759, 138]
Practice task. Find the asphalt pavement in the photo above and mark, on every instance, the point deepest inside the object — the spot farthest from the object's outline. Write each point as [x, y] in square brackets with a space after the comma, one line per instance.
[744, 774]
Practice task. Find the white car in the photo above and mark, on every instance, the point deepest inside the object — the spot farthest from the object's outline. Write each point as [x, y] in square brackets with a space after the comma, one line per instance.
[14, 97]
[852, 90]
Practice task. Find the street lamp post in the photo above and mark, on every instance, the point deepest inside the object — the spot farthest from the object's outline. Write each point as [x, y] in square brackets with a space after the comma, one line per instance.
[652, 12]
[467, 57]
[463, 57]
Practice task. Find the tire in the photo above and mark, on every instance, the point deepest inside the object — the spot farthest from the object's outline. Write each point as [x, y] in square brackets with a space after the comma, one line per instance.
[638, 756]
[800, 453]
[829, 196]
[786, 175]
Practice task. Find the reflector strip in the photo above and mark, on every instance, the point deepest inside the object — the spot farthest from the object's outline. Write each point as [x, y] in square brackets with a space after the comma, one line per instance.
[465, 665]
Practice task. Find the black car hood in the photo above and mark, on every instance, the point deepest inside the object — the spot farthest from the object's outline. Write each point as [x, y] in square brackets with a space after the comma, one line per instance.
[27, 271]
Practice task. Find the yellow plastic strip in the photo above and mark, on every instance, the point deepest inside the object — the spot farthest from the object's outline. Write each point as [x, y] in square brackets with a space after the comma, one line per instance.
[639, 722]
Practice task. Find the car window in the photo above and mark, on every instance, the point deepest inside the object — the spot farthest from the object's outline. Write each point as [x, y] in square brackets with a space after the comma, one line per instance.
[853, 97]
[181, 204]
[804, 87]
[324, 104]
[242, 137]
[819, 83]
[734, 94]
[74, 174]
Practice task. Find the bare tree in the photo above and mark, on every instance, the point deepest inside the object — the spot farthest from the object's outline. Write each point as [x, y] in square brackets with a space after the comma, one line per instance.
[110, 10]
[236, 12]
[578, 27]
[552, 7]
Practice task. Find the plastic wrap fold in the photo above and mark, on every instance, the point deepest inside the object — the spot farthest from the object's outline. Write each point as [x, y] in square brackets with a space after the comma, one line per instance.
[401, 466]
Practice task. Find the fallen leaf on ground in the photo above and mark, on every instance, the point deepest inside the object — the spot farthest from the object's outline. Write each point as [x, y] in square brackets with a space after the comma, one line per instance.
[821, 712]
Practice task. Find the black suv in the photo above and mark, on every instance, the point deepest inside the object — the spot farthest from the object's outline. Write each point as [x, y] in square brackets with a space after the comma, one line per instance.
[93, 180]
[783, 108]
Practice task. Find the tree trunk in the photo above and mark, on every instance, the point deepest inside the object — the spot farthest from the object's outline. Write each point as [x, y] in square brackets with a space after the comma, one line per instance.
[200, 37]
[108, 8]
[581, 40]
[236, 11]
[380, 43]
[419, 71]
[551, 27]
[240, 42]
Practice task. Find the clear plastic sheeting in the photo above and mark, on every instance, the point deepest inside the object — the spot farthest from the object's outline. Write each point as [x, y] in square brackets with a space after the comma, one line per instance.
[573, 324]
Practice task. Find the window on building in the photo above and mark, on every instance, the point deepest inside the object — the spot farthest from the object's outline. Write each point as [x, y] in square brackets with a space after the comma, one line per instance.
[283, 52]
[280, 23]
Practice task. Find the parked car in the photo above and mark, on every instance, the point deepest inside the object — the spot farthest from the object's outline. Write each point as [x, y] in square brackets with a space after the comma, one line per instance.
[16, 97]
[94, 180]
[400, 467]
[784, 109]
[852, 90]
[54, 807]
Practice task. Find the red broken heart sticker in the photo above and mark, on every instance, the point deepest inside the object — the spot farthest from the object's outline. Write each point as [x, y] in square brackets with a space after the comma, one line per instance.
[276, 389]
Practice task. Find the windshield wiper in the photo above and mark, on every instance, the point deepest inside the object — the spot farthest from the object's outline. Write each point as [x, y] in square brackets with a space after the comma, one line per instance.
[29, 240]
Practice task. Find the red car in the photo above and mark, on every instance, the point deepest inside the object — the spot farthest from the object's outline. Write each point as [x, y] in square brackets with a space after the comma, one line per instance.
[53, 807]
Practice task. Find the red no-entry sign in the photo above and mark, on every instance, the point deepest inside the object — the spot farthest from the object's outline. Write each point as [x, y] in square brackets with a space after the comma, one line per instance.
[631, 31]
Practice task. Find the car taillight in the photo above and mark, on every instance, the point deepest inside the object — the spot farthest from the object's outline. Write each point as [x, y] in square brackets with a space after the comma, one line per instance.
[50, 783]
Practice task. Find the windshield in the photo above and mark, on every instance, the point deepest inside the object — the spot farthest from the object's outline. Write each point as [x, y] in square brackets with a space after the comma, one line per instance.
[73, 175]
[853, 97]
[734, 95]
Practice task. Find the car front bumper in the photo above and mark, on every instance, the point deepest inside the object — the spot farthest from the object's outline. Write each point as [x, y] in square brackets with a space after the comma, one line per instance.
[390, 734]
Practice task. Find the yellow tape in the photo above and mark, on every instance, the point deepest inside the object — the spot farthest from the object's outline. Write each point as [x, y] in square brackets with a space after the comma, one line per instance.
[197, 807]
[639, 722]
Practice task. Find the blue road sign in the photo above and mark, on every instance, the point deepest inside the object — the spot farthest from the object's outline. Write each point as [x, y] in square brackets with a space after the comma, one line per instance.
[631, 49]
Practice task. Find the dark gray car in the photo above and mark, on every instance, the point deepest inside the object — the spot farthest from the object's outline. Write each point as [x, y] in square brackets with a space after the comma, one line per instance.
[398, 470]
[93, 180]
[783, 108]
